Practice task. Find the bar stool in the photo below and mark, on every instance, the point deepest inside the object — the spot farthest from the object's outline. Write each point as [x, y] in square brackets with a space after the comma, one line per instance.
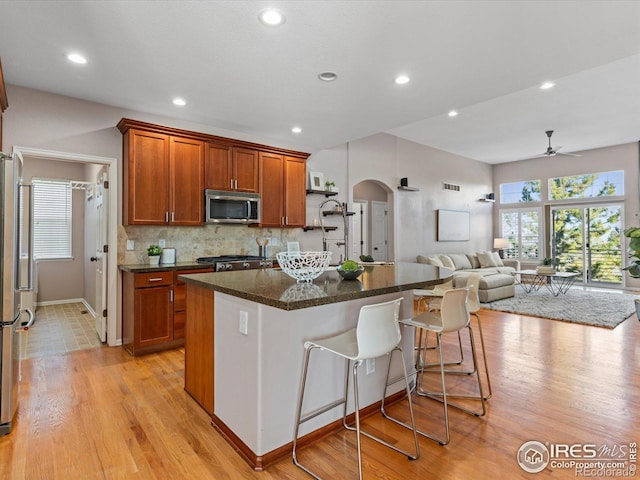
[452, 317]
[377, 333]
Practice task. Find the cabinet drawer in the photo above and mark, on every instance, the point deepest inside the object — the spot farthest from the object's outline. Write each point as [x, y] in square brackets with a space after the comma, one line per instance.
[154, 279]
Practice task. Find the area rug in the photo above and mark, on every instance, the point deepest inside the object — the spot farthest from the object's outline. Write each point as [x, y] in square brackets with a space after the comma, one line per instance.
[600, 309]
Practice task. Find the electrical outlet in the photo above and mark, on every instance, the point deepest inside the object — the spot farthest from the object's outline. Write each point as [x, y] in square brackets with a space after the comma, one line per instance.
[371, 365]
[130, 245]
[161, 243]
[244, 322]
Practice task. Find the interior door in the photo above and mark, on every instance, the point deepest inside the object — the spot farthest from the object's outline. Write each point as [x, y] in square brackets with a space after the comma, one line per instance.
[379, 231]
[359, 244]
[587, 239]
[101, 256]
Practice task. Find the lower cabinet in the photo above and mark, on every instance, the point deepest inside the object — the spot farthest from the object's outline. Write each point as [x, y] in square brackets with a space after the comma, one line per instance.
[153, 310]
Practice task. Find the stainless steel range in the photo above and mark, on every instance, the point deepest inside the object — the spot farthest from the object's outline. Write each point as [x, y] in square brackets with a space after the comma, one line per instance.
[236, 262]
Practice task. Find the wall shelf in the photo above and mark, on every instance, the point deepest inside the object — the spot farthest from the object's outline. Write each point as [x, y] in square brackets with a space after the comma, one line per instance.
[326, 193]
[334, 212]
[408, 189]
[307, 228]
[490, 200]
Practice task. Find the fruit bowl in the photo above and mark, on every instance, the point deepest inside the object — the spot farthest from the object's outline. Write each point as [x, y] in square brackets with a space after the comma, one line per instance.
[350, 274]
[303, 266]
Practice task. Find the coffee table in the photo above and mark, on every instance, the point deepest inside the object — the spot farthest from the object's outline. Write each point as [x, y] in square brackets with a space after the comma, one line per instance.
[556, 283]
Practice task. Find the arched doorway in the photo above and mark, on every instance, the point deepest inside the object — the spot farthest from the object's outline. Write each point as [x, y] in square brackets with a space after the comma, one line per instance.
[372, 231]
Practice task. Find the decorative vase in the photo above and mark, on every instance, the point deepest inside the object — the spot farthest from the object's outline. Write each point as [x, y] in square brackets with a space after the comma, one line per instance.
[154, 260]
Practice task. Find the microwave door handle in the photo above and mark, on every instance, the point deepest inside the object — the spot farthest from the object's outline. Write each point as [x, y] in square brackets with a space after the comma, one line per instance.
[248, 210]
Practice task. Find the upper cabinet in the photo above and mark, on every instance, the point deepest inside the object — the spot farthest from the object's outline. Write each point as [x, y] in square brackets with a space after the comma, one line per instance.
[166, 171]
[231, 168]
[163, 179]
[282, 190]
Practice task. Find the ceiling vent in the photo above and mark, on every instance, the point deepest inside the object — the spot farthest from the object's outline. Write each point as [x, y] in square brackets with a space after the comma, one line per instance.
[451, 186]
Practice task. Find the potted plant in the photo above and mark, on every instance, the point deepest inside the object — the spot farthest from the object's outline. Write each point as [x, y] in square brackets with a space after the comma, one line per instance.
[330, 186]
[547, 266]
[154, 252]
[633, 234]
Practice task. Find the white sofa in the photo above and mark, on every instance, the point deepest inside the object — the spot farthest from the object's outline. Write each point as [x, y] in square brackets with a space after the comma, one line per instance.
[498, 277]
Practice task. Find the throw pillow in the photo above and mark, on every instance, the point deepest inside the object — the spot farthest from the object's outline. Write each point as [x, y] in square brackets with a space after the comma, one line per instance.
[497, 259]
[486, 259]
[447, 262]
[460, 261]
[473, 259]
[435, 261]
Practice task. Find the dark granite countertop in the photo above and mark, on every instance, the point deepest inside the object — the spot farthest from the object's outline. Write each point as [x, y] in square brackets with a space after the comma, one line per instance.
[273, 287]
[163, 267]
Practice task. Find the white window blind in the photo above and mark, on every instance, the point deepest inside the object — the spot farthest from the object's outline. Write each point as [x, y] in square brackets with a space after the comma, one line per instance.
[51, 218]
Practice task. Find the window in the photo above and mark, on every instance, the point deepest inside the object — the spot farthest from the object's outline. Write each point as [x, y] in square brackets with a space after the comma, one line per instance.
[522, 230]
[604, 184]
[517, 192]
[51, 219]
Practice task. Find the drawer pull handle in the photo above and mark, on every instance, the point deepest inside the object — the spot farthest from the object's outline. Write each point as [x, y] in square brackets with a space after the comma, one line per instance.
[155, 279]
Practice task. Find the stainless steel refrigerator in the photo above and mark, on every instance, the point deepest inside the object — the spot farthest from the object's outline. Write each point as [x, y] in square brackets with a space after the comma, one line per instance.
[15, 241]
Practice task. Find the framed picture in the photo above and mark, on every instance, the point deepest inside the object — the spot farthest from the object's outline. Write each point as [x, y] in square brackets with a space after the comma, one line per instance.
[316, 181]
[453, 226]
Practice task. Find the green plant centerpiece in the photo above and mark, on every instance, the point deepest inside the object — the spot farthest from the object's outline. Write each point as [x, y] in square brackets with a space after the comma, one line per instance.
[633, 234]
[350, 270]
[154, 252]
[547, 266]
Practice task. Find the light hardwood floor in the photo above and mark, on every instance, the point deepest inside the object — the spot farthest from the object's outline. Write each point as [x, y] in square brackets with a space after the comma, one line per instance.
[101, 413]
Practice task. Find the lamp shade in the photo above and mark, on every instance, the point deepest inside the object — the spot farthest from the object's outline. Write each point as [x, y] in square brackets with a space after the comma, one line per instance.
[500, 243]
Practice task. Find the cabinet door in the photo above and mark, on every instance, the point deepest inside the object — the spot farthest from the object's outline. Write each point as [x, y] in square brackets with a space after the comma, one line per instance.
[295, 198]
[245, 170]
[146, 192]
[187, 181]
[153, 316]
[271, 188]
[217, 167]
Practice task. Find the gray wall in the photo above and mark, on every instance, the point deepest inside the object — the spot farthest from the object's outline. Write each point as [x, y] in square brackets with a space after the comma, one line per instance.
[62, 279]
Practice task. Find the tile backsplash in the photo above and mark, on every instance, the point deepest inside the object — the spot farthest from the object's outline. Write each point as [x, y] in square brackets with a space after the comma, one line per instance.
[193, 242]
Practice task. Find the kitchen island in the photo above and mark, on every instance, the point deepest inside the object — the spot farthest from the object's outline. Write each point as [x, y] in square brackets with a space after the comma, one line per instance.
[244, 348]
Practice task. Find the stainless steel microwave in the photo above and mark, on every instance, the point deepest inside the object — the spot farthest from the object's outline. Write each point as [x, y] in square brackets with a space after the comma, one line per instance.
[231, 207]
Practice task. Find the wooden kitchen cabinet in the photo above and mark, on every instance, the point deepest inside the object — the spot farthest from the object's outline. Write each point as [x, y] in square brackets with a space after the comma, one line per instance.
[163, 179]
[231, 168]
[282, 190]
[154, 310]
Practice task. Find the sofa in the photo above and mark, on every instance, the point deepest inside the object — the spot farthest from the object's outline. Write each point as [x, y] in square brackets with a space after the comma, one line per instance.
[498, 275]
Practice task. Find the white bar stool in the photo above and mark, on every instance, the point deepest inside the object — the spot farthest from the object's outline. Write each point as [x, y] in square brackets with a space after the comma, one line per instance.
[377, 334]
[452, 317]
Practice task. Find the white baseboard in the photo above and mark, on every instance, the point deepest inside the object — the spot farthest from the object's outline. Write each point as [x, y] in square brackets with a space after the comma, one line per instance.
[70, 300]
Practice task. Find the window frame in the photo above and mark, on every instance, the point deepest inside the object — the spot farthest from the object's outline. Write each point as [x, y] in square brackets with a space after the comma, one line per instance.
[584, 198]
[502, 196]
[64, 249]
[541, 226]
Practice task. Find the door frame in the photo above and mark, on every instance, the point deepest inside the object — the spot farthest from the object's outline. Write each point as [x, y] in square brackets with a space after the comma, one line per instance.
[385, 228]
[583, 206]
[112, 261]
[363, 212]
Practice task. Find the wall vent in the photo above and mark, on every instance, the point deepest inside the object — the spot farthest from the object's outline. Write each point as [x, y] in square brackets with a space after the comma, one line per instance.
[451, 186]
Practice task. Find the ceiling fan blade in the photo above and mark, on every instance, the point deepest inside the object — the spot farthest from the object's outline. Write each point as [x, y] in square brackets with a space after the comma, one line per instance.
[569, 154]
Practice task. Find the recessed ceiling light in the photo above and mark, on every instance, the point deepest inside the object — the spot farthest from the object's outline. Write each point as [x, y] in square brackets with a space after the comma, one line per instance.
[296, 129]
[328, 76]
[271, 17]
[181, 102]
[547, 85]
[402, 79]
[76, 58]
[453, 113]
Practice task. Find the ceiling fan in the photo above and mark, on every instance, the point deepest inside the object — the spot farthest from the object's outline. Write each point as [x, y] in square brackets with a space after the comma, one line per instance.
[552, 152]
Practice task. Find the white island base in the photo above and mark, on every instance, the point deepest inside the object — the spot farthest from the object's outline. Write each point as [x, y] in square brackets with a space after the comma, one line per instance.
[258, 371]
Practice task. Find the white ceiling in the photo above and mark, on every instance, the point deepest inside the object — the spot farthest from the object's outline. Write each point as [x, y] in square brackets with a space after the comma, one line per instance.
[485, 59]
